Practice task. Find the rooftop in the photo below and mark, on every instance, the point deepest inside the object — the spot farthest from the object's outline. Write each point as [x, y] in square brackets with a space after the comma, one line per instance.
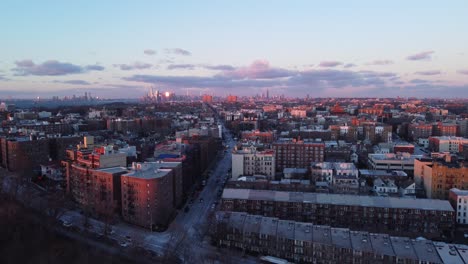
[380, 173]
[420, 250]
[392, 156]
[403, 247]
[459, 192]
[338, 199]
[381, 244]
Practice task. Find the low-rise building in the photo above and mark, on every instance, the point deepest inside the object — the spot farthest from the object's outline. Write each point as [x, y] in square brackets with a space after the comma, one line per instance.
[307, 243]
[249, 161]
[447, 144]
[297, 153]
[385, 186]
[413, 217]
[459, 200]
[391, 161]
[342, 177]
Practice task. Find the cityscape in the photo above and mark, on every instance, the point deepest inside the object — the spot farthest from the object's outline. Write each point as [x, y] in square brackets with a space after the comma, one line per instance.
[234, 132]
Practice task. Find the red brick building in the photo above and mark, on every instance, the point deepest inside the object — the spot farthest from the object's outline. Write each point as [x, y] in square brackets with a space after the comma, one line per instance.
[396, 216]
[420, 130]
[263, 137]
[297, 154]
[301, 242]
[147, 195]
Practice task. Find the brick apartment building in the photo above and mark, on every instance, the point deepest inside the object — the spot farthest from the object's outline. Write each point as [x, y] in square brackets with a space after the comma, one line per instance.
[419, 130]
[444, 129]
[97, 191]
[439, 175]
[147, 195]
[46, 127]
[413, 217]
[93, 177]
[307, 243]
[263, 137]
[297, 154]
[28, 153]
[249, 161]
[204, 150]
[447, 144]
[348, 133]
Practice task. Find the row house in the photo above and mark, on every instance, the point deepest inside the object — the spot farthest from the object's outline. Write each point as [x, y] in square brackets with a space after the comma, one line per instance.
[301, 242]
[416, 217]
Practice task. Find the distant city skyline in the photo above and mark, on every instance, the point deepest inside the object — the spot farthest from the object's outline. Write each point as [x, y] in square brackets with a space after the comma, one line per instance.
[325, 49]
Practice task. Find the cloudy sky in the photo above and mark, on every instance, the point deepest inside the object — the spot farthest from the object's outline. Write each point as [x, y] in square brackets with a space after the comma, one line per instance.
[321, 48]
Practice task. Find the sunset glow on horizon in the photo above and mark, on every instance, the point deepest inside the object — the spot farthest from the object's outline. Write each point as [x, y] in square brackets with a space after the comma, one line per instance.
[119, 49]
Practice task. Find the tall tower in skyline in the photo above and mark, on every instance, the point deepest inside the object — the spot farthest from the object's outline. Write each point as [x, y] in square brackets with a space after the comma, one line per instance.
[268, 94]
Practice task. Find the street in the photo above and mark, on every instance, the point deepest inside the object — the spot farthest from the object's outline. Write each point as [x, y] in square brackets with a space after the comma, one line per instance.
[187, 236]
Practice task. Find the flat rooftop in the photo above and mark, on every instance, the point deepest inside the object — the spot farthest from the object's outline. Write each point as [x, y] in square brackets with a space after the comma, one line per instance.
[392, 156]
[114, 170]
[338, 199]
[151, 172]
[382, 173]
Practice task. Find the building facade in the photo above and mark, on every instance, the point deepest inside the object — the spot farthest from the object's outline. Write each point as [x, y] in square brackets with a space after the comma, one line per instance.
[413, 217]
[301, 242]
[438, 176]
[297, 154]
[447, 144]
[249, 161]
[459, 200]
[391, 161]
[147, 198]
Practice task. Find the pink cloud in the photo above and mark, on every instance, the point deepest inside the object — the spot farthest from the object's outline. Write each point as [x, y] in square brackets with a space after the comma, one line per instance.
[259, 69]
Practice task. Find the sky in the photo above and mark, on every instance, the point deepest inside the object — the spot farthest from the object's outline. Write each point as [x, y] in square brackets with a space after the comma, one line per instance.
[121, 49]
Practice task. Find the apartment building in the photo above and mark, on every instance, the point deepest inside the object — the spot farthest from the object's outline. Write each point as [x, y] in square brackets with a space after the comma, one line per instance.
[97, 191]
[297, 153]
[301, 242]
[445, 129]
[414, 217]
[447, 144]
[147, 198]
[439, 175]
[248, 161]
[24, 154]
[419, 130]
[459, 200]
[343, 177]
[93, 177]
[257, 136]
